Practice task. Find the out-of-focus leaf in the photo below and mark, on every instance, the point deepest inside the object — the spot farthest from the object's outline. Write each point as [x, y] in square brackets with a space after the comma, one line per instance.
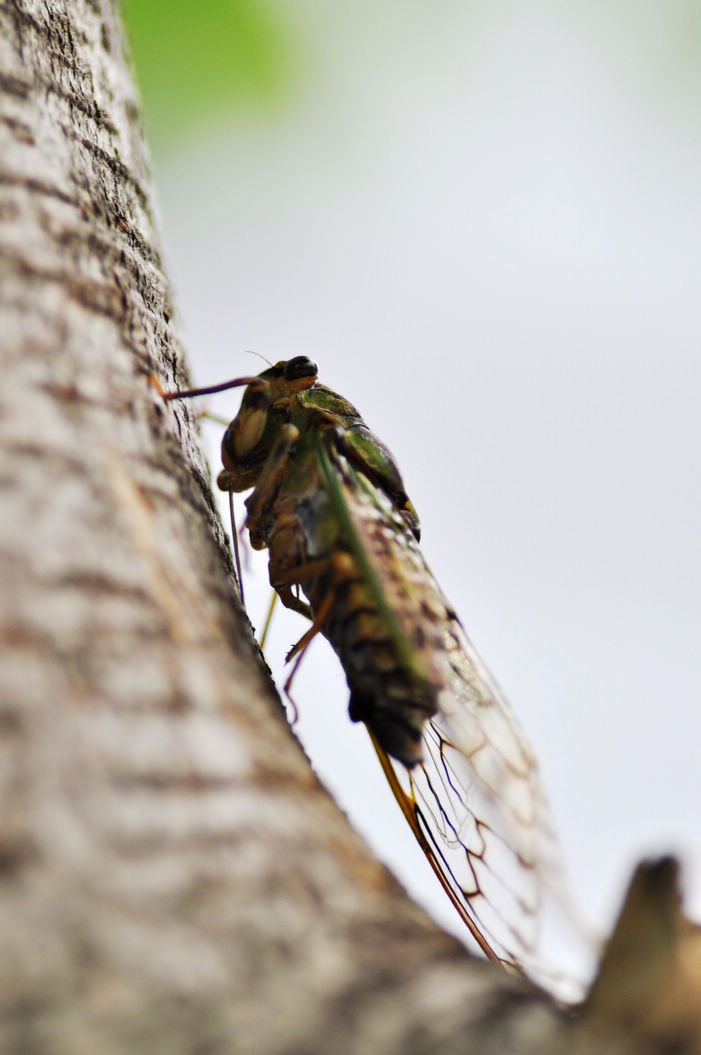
[193, 60]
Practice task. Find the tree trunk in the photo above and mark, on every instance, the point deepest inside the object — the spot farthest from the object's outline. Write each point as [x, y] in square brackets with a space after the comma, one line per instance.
[173, 879]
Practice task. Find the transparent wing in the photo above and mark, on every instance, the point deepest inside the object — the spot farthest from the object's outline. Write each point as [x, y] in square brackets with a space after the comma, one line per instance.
[477, 807]
[482, 799]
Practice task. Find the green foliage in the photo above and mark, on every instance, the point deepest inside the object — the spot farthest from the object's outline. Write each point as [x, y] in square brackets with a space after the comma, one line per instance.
[194, 60]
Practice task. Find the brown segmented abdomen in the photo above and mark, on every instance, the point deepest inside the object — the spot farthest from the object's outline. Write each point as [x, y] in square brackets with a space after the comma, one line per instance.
[385, 694]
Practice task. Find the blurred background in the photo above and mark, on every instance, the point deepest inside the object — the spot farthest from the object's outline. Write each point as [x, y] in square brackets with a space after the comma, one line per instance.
[483, 220]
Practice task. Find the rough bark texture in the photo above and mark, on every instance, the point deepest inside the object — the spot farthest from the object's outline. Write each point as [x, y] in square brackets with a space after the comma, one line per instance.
[172, 877]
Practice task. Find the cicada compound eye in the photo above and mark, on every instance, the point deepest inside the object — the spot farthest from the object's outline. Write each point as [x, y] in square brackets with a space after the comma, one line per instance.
[300, 367]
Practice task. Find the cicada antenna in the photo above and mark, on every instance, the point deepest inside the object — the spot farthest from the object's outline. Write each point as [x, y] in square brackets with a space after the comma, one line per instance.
[249, 351]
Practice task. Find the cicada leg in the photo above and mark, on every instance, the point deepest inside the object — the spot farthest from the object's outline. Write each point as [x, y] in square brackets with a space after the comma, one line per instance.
[303, 644]
[260, 503]
[308, 636]
[235, 543]
[232, 516]
[282, 579]
[268, 620]
[207, 414]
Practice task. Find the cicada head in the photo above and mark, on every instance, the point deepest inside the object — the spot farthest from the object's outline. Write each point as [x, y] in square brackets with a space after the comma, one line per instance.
[265, 407]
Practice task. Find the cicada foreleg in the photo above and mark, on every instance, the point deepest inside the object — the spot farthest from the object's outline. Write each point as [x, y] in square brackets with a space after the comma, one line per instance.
[237, 475]
[259, 504]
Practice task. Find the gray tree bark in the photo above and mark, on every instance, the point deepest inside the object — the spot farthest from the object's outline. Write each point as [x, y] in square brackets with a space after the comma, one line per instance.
[173, 879]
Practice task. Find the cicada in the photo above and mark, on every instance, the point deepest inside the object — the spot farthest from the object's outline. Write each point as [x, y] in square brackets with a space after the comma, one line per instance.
[329, 504]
